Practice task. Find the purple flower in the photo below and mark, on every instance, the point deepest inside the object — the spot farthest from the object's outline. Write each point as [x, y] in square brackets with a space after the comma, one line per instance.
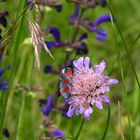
[101, 34]
[31, 4]
[76, 13]
[88, 88]
[56, 34]
[6, 133]
[49, 69]
[103, 3]
[0, 34]
[3, 21]
[47, 108]
[59, 7]
[58, 134]
[6, 86]
[1, 85]
[1, 71]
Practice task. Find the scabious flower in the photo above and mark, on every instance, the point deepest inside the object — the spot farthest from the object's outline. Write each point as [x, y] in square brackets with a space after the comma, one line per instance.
[37, 39]
[88, 88]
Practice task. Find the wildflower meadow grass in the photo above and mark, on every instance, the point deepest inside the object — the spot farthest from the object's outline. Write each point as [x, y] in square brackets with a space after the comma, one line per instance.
[69, 70]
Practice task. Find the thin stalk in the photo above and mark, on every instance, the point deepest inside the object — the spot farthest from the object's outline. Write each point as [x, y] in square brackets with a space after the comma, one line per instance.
[4, 100]
[122, 75]
[119, 115]
[80, 129]
[74, 35]
[107, 124]
[128, 56]
[20, 134]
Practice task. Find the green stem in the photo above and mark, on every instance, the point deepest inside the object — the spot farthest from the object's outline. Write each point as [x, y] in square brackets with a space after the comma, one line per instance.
[107, 124]
[122, 72]
[4, 95]
[80, 129]
[128, 55]
[20, 134]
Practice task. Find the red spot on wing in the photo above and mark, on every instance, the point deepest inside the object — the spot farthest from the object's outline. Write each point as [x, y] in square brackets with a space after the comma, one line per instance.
[69, 73]
[66, 81]
[64, 90]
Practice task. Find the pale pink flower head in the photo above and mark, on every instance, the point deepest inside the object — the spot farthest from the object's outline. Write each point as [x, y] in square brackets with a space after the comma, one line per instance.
[88, 88]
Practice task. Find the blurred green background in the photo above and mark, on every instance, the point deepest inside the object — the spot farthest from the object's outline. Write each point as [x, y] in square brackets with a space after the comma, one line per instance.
[23, 107]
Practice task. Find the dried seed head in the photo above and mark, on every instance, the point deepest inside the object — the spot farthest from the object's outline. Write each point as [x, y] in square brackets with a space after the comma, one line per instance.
[37, 40]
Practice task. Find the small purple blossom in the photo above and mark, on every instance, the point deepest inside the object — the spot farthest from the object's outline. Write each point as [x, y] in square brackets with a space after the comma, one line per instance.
[56, 34]
[3, 19]
[1, 71]
[6, 86]
[88, 88]
[101, 34]
[50, 69]
[58, 133]
[103, 3]
[6, 133]
[47, 108]
[59, 7]
[76, 13]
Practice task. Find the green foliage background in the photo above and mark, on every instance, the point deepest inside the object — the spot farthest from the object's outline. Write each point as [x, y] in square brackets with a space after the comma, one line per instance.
[23, 118]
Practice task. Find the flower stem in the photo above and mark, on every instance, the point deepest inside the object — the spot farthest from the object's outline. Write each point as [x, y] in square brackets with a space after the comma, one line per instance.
[107, 124]
[21, 118]
[80, 128]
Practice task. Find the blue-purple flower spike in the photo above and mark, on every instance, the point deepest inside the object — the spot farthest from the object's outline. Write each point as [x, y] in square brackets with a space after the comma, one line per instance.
[101, 34]
[101, 19]
[76, 13]
[55, 32]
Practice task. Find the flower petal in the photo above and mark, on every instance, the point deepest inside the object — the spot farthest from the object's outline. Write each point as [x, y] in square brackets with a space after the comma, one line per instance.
[101, 19]
[3, 21]
[87, 62]
[100, 68]
[71, 111]
[105, 99]
[47, 108]
[87, 113]
[83, 36]
[55, 32]
[58, 133]
[99, 105]
[78, 63]
[112, 81]
[76, 13]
